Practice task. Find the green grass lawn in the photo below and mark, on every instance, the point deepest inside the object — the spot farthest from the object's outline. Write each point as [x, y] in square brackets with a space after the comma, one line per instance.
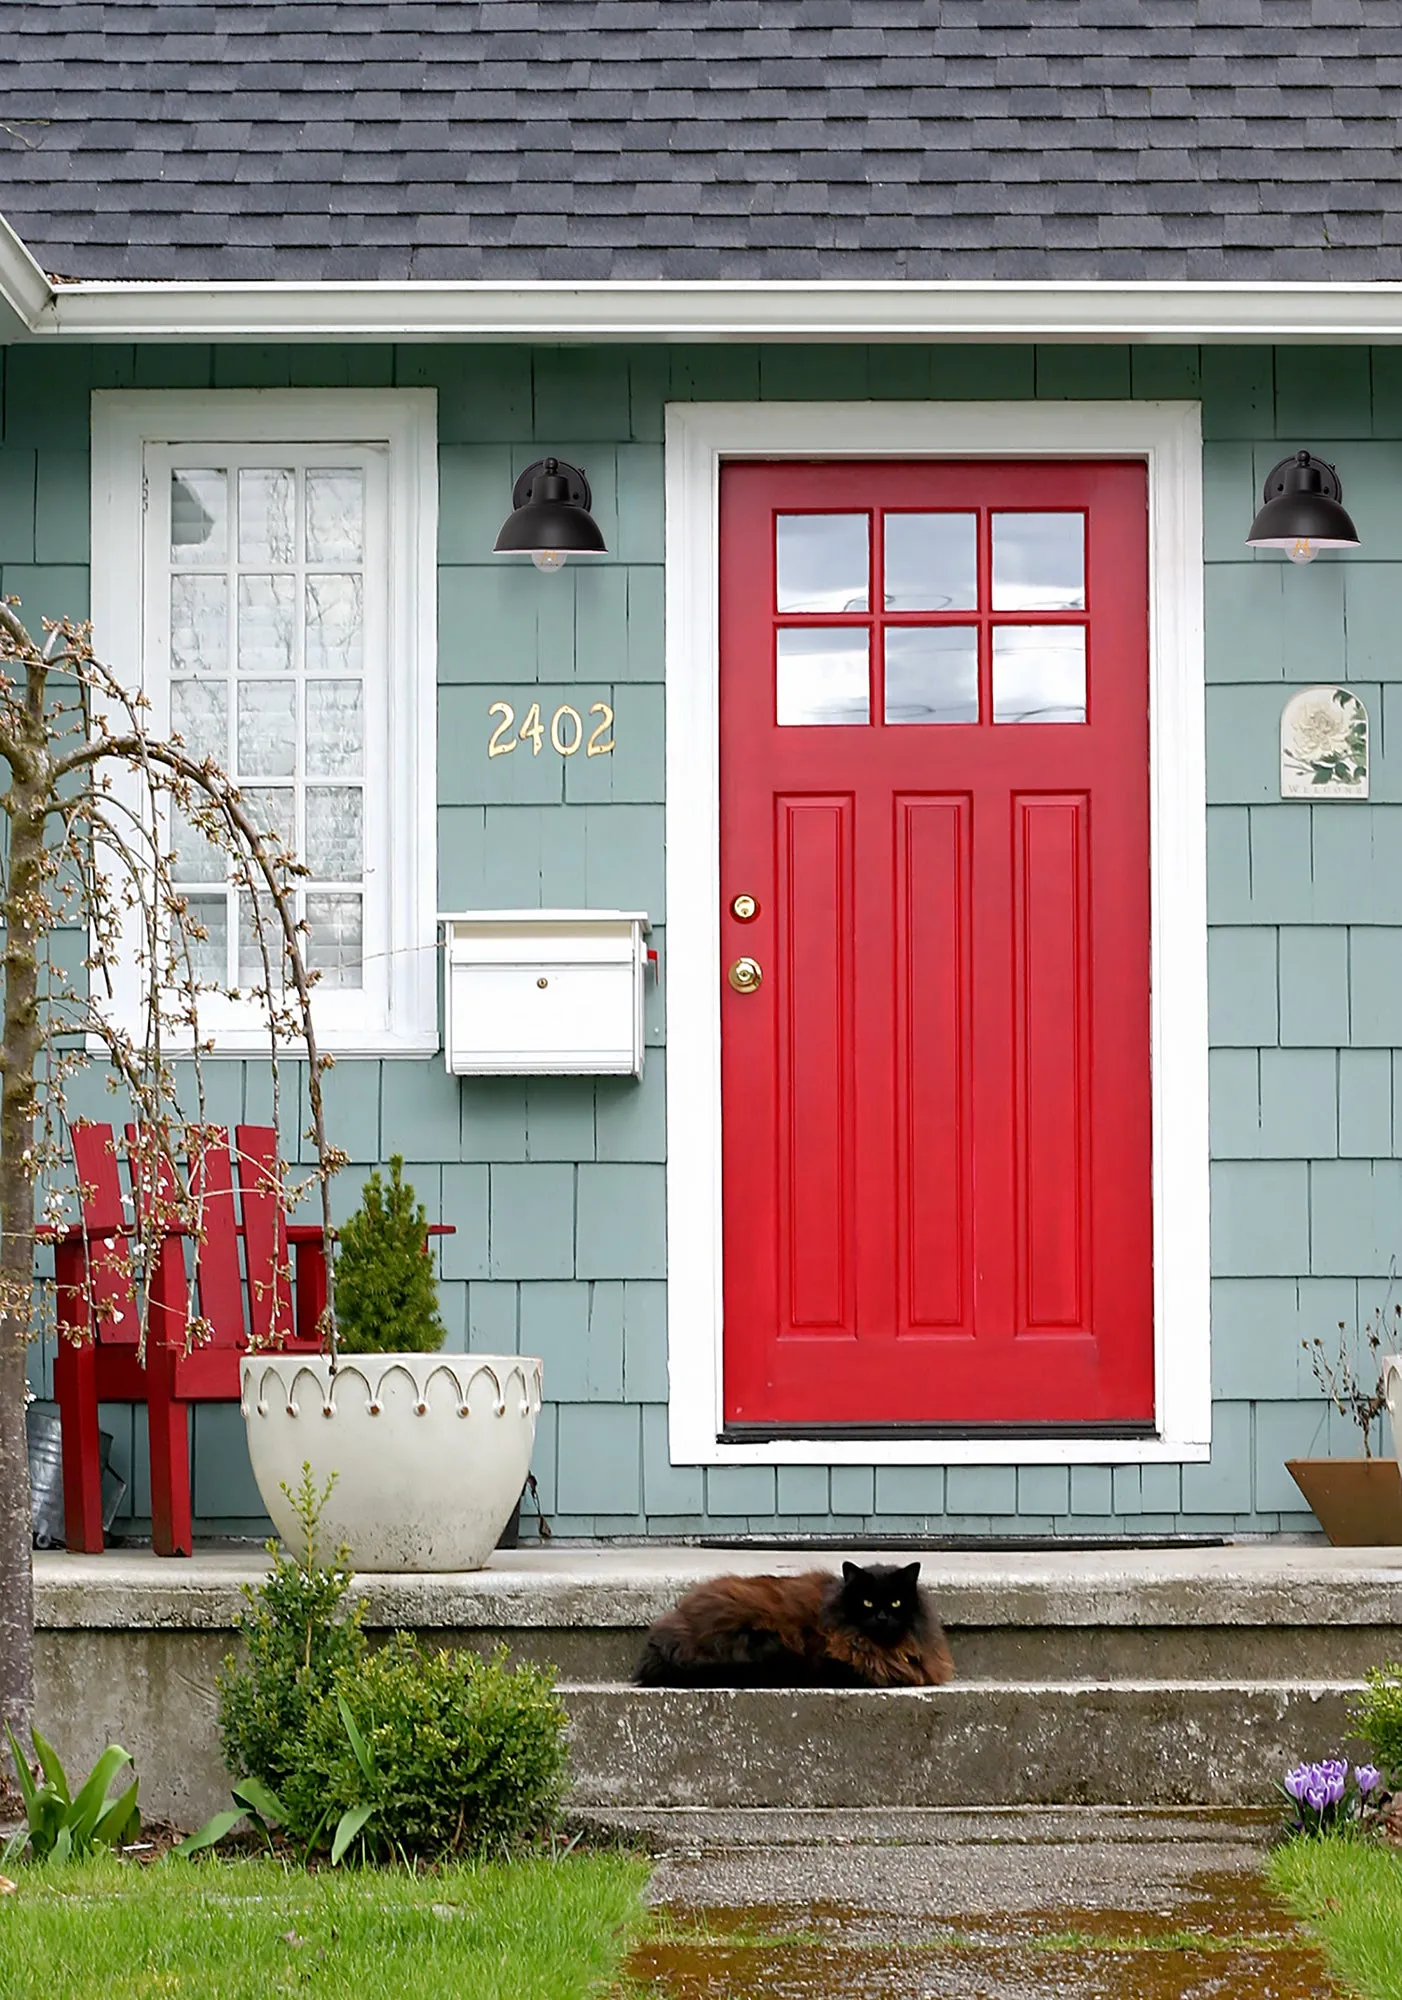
[248, 1930]
[1349, 1893]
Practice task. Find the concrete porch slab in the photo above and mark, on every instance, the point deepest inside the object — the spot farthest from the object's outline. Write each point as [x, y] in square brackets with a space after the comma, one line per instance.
[571, 1585]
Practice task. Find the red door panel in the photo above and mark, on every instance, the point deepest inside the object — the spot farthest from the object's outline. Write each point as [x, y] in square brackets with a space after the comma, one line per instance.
[934, 782]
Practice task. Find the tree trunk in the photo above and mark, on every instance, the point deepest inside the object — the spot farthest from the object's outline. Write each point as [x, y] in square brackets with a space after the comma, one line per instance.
[25, 905]
[16, 1575]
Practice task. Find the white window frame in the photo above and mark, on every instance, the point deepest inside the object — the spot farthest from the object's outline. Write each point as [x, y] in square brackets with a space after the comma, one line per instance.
[399, 1015]
[1167, 438]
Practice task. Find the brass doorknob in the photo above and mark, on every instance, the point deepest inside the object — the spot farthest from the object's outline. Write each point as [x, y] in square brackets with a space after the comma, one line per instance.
[745, 975]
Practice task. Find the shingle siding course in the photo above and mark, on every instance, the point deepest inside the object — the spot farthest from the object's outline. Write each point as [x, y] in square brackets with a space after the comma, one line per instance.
[1049, 139]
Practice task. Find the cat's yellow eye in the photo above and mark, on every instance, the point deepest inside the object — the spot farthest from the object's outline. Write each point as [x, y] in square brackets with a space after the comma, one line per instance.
[867, 1604]
[895, 1604]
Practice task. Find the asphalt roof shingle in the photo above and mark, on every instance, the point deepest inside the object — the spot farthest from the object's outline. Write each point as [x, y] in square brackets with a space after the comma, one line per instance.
[572, 139]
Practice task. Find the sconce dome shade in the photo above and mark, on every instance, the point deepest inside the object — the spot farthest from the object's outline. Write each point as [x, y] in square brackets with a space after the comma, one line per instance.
[551, 501]
[1302, 498]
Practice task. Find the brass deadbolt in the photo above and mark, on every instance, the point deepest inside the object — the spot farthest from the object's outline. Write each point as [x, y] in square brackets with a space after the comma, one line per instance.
[744, 909]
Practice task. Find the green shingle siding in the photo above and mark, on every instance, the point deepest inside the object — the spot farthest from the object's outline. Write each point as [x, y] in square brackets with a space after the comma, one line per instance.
[556, 1186]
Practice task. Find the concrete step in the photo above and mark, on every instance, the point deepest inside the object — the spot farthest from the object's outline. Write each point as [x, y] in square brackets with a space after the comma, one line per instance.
[1213, 1648]
[975, 1743]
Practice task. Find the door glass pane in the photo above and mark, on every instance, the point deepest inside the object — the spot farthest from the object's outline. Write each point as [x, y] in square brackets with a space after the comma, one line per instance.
[199, 624]
[335, 731]
[1039, 562]
[267, 729]
[199, 509]
[334, 624]
[335, 515]
[334, 937]
[931, 562]
[1039, 673]
[267, 532]
[334, 841]
[823, 562]
[199, 715]
[822, 677]
[932, 673]
[266, 608]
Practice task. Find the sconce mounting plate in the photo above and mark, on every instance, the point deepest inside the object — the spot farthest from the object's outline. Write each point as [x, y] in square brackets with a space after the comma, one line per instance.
[579, 494]
[1277, 484]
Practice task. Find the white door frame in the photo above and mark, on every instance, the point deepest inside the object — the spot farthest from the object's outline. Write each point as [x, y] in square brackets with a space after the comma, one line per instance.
[1167, 437]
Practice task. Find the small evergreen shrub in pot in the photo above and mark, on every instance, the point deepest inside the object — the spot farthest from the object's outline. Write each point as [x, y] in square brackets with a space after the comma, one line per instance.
[429, 1451]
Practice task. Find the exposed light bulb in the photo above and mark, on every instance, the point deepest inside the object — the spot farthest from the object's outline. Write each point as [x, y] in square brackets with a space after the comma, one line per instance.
[548, 559]
[1303, 550]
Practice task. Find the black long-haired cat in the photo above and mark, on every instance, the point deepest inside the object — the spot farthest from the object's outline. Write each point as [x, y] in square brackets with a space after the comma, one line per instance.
[872, 1627]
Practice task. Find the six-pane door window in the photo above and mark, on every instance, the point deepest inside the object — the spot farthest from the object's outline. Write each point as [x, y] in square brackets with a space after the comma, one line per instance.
[982, 617]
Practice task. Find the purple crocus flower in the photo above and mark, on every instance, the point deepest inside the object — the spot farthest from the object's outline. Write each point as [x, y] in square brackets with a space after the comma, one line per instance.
[1316, 1795]
[1334, 1767]
[1296, 1780]
[1367, 1777]
[1334, 1781]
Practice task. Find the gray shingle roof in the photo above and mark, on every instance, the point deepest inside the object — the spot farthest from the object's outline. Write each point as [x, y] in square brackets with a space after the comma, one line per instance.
[705, 139]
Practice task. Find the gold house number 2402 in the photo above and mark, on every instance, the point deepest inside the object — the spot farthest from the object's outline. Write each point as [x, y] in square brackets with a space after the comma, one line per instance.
[566, 730]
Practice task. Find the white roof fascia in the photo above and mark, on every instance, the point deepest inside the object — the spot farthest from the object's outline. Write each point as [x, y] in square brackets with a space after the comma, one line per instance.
[24, 289]
[733, 310]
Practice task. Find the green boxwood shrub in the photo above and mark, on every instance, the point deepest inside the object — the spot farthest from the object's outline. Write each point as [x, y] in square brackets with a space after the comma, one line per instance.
[1378, 1717]
[386, 1286]
[296, 1640]
[468, 1753]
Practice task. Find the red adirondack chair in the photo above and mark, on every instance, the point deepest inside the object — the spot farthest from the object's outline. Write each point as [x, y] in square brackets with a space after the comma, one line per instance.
[97, 1359]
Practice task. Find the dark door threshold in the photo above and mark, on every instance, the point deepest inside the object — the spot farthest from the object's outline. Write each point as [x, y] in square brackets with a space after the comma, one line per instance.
[924, 1544]
[917, 1433]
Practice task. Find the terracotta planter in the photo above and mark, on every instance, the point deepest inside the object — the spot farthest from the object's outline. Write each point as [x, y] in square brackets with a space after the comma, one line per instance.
[1357, 1501]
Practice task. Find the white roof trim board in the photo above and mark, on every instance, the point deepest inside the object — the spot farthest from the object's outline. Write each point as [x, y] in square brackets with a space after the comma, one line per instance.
[23, 287]
[777, 310]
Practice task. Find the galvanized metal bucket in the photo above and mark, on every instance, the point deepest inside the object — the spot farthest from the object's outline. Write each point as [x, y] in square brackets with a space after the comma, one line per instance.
[45, 1438]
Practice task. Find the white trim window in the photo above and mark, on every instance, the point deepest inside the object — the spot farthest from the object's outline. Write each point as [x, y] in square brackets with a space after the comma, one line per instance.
[1167, 438]
[285, 546]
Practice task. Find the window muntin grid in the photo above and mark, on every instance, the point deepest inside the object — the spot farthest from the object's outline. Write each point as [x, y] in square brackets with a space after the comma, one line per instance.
[276, 603]
[983, 616]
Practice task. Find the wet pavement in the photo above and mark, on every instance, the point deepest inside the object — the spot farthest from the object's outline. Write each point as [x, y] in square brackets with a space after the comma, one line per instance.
[1034, 1906]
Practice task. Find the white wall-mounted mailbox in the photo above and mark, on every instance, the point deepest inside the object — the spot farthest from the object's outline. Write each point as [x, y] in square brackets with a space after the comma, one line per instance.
[544, 992]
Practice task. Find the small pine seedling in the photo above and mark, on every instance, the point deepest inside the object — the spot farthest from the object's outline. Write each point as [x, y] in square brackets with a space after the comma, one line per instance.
[386, 1289]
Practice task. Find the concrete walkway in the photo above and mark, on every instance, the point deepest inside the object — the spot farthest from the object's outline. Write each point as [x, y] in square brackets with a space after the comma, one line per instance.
[1051, 1904]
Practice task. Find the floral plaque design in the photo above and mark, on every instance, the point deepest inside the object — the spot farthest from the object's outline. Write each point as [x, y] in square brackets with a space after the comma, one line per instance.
[1324, 745]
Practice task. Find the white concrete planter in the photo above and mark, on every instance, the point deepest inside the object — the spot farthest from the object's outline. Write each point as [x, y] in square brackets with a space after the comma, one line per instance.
[430, 1451]
[1392, 1389]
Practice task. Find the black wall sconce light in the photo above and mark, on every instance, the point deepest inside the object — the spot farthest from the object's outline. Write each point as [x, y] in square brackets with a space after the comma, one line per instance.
[551, 521]
[1302, 513]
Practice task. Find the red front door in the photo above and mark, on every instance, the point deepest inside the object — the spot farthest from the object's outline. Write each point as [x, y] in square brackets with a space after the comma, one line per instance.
[934, 787]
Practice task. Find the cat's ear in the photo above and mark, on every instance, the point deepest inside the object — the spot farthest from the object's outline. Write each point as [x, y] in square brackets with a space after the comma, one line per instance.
[849, 1570]
[912, 1571]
